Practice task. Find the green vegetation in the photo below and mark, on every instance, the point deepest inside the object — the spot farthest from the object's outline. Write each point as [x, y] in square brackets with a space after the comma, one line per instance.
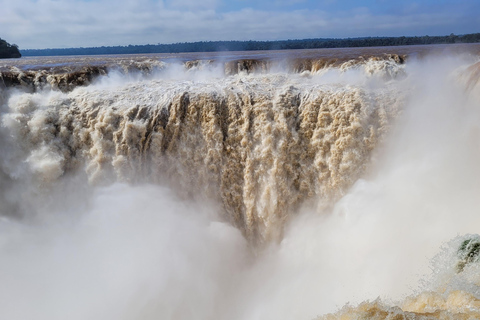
[468, 252]
[209, 46]
[8, 50]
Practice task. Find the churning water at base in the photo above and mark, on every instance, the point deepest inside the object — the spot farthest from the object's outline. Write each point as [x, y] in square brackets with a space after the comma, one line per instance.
[340, 193]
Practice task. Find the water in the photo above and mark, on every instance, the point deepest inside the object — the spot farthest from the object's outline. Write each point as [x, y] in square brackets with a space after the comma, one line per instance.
[305, 186]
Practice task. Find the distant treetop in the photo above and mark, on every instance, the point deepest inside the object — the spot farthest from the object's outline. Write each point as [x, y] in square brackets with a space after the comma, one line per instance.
[210, 46]
[8, 50]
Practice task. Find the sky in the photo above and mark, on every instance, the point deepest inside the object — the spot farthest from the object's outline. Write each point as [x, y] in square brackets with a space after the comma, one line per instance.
[39, 24]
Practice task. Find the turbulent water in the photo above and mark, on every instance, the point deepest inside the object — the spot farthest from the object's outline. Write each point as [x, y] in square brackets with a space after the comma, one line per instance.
[332, 184]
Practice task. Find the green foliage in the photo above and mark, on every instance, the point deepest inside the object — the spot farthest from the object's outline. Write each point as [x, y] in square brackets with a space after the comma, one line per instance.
[468, 252]
[210, 46]
[8, 50]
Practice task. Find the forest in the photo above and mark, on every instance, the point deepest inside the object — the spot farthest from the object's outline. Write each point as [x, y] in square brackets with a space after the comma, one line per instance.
[211, 46]
[8, 50]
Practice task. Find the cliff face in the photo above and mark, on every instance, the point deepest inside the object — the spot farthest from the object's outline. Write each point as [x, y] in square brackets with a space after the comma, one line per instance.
[8, 51]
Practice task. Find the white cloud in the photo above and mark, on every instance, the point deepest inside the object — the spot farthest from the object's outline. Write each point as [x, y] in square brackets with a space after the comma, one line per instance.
[193, 4]
[74, 23]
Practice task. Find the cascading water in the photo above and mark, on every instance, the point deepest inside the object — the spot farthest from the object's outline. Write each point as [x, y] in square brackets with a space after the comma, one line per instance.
[240, 190]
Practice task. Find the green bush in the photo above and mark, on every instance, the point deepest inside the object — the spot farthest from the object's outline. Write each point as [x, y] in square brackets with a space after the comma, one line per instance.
[8, 50]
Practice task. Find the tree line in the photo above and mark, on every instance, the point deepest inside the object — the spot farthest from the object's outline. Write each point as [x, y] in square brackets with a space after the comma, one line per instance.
[8, 50]
[211, 46]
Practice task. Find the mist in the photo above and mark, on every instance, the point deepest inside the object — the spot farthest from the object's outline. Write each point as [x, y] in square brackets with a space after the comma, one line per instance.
[89, 234]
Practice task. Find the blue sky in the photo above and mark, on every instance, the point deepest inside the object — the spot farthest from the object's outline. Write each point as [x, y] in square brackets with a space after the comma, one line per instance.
[74, 23]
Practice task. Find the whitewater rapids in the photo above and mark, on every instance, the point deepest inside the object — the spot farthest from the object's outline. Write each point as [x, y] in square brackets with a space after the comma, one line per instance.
[241, 189]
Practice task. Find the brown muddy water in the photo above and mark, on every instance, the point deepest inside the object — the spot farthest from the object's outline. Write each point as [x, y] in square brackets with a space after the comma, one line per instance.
[301, 184]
